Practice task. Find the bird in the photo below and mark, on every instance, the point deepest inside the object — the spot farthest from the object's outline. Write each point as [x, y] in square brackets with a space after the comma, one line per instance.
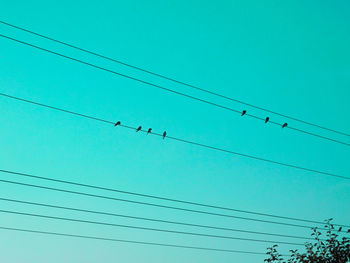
[284, 125]
[149, 130]
[340, 228]
[118, 123]
[138, 129]
[244, 112]
[267, 119]
[164, 134]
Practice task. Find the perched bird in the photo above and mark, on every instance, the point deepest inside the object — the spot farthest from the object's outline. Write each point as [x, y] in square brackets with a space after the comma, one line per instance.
[284, 125]
[118, 123]
[149, 130]
[138, 129]
[267, 119]
[340, 228]
[244, 112]
[164, 134]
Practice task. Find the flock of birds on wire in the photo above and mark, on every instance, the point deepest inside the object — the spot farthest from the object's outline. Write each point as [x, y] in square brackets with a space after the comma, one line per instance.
[266, 120]
[164, 133]
[140, 128]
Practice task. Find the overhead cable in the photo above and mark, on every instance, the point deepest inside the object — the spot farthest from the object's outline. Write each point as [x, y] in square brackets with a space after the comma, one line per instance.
[179, 139]
[173, 91]
[164, 198]
[172, 79]
[203, 212]
[151, 219]
[147, 228]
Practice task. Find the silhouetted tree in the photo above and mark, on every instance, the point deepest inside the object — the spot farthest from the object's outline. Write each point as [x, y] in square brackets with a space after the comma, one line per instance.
[332, 249]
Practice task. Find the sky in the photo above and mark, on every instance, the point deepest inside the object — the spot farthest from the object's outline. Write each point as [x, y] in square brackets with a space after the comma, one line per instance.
[288, 56]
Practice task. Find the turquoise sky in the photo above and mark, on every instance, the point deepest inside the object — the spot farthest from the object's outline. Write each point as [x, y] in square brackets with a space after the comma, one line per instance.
[289, 56]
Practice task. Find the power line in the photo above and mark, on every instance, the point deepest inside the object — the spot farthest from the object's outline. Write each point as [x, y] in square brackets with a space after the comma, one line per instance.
[129, 241]
[179, 139]
[152, 219]
[154, 205]
[164, 198]
[172, 79]
[170, 90]
[147, 228]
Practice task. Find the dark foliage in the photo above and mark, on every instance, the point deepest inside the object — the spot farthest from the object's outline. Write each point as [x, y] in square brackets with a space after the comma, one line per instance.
[334, 248]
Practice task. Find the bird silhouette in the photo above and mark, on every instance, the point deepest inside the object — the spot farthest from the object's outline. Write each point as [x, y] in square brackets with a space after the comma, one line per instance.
[149, 130]
[267, 119]
[284, 125]
[244, 112]
[118, 123]
[138, 129]
[164, 134]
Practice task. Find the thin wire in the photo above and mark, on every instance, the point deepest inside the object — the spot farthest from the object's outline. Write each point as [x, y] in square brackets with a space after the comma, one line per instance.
[155, 205]
[129, 241]
[181, 140]
[163, 198]
[147, 228]
[172, 79]
[152, 219]
[166, 89]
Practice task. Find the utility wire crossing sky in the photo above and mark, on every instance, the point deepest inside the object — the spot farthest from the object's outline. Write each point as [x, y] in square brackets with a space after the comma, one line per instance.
[151, 219]
[148, 228]
[165, 198]
[130, 241]
[177, 139]
[283, 125]
[202, 212]
[173, 80]
[273, 60]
